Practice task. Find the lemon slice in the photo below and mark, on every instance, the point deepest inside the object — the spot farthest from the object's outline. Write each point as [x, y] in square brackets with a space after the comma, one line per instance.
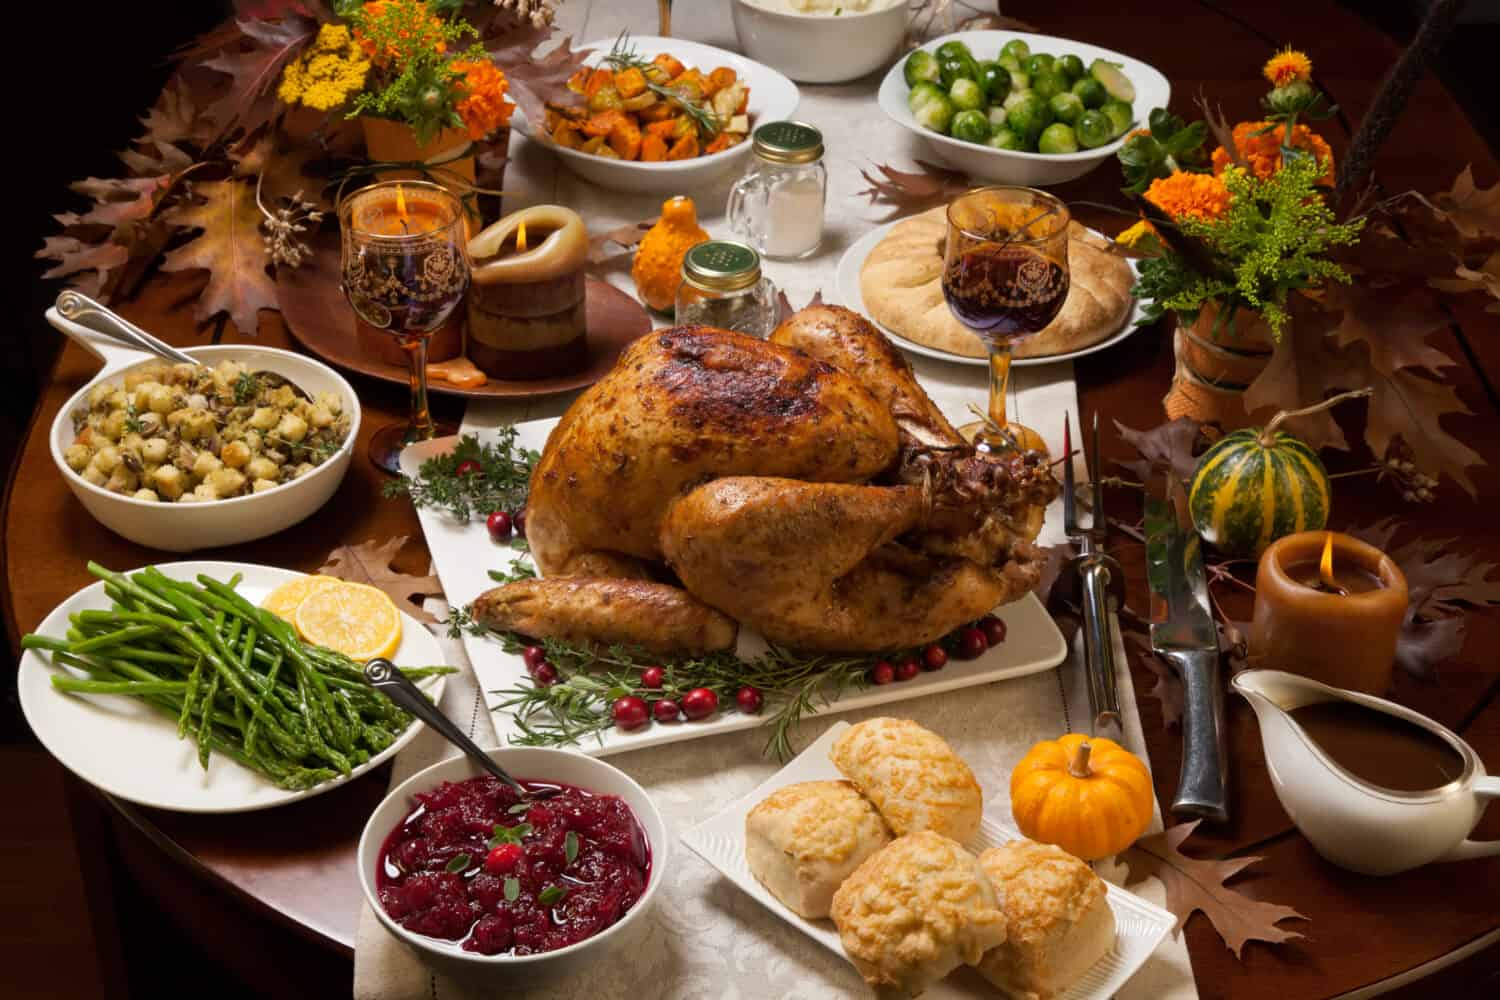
[355, 619]
[285, 599]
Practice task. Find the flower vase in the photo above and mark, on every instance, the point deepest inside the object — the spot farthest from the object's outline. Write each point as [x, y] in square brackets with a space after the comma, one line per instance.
[1216, 361]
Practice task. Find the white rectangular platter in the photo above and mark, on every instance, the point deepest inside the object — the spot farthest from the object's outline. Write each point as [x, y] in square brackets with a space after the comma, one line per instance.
[463, 554]
[720, 840]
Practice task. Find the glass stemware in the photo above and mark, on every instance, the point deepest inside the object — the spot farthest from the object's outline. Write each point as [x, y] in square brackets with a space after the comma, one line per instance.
[1005, 277]
[404, 269]
[664, 18]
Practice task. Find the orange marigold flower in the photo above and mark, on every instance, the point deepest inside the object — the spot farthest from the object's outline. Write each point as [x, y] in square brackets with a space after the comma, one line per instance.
[1202, 196]
[1288, 66]
[483, 107]
[1262, 153]
[406, 24]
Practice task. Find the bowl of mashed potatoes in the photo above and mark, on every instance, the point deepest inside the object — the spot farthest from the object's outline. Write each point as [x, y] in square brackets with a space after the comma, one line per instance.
[821, 41]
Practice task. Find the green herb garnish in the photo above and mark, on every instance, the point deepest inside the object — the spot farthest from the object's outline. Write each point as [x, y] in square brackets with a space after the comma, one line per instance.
[500, 484]
[459, 863]
[509, 834]
[246, 389]
[552, 895]
[512, 889]
[519, 808]
[520, 569]
[570, 845]
[625, 56]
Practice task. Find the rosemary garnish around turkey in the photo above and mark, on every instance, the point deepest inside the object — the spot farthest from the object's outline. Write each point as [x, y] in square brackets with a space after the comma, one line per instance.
[625, 56]
[473, 479]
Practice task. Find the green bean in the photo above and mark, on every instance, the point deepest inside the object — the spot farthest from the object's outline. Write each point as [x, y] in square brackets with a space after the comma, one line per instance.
[189, 692]
[81, 685]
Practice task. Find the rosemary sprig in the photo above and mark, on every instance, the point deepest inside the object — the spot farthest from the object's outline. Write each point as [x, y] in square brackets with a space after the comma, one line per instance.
[623, 55]
[500, 484]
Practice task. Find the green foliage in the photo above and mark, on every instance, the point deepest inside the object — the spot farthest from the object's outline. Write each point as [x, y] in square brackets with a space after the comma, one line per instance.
[1170, 145]
[500, 484]
[415, 45]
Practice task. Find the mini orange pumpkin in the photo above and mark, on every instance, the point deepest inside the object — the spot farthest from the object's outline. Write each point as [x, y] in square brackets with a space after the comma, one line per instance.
[657, 269]
[1089, 796]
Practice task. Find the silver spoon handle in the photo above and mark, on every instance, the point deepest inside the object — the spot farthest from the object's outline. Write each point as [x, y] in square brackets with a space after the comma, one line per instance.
[395, 685]
[100, 319]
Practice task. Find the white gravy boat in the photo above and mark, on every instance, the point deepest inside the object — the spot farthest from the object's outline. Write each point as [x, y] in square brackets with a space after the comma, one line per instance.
[1354, 824]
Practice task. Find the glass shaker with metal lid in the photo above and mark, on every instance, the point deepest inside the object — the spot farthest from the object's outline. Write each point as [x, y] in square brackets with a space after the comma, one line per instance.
[777, 207]
[722, 286]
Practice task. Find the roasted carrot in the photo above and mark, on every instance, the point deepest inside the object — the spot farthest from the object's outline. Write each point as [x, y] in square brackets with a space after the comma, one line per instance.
[630, 82]
[684, 148]
[602, 123]
[658, 112]
[720, 141]
[722, 77]
[653, 148]
[598, 78]
[566, 135]
[578, 81]
[670, 64]
[625, 138]
[667, 129]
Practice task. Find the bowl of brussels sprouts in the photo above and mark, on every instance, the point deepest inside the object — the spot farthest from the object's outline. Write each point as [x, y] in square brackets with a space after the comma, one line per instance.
[1018, 108]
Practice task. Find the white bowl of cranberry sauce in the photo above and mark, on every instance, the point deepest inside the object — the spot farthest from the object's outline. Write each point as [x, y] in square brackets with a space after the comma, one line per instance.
[454, 864]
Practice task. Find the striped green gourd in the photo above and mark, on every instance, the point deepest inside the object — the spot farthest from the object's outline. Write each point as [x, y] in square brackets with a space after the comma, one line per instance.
[1255, 486]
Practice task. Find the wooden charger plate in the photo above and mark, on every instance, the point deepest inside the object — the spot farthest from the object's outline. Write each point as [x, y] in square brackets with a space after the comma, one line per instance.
[319, 316]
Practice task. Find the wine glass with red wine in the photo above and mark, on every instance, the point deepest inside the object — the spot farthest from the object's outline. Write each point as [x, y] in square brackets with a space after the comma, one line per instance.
[1005, 277]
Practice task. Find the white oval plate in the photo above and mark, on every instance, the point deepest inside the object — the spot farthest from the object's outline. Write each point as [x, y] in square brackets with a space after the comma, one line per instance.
[847, 283]
[772, 98]
[131, 750]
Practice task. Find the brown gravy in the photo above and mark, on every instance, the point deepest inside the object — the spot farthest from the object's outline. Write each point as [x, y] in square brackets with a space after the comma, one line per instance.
[1380, 748]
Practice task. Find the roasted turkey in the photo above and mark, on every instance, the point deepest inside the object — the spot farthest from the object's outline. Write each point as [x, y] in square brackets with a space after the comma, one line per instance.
[805, 487]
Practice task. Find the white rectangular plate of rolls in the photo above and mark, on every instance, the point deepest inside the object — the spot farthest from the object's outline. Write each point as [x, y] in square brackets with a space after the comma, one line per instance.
[1139, 925]
[463, 554]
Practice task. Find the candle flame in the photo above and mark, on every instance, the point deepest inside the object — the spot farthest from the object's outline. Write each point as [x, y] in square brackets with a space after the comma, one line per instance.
[1325, 565]
[400, 202]
[521, 236]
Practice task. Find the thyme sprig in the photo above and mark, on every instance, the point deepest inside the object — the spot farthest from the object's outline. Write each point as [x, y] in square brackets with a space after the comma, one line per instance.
[624, 55]
[501, 483]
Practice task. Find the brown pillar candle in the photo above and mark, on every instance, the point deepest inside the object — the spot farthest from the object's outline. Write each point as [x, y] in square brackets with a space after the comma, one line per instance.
[1328, 606]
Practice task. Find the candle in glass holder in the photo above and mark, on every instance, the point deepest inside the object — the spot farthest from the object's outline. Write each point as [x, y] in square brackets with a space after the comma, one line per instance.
[526, 306]
[1328, 606]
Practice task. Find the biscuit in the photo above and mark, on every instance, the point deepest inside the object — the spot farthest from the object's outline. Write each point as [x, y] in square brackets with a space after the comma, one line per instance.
[914, 911]
[803, 840]
[1057, 916]
[913, 777]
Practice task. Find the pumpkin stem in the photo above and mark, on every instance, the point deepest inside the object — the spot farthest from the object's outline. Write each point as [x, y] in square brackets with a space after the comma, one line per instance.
[1078, 767]
[1268, 433]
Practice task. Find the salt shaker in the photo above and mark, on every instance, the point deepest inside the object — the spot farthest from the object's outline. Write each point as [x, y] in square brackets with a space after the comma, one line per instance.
[777, 207]
[722, 286]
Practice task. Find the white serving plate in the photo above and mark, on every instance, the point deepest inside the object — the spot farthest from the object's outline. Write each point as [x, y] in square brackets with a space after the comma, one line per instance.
[463, 554]
[720, 840]
[847, 283]
[131, 750]
[772, 98]
[1004, 166]
[817, 48]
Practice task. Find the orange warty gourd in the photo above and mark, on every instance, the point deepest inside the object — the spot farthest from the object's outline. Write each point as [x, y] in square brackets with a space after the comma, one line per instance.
[657, 269]
[1089, 796]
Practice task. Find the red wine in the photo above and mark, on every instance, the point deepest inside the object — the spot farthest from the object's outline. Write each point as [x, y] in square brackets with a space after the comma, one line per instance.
[1004, 293]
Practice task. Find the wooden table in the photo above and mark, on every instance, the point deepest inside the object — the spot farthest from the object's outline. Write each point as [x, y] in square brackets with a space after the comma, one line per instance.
[294, 864]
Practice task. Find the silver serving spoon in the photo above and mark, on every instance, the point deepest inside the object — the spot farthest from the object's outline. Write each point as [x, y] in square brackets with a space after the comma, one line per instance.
[383, 675]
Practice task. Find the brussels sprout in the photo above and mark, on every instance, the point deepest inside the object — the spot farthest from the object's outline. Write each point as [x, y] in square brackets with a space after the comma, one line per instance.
[966, 95]
[1039, 63]
[957, 68]
[1057, 138]
[1120, 114]
[953, 49]
[970, 126]
[1091, 92]
[995, 79]
[1019, 80]
[1049, 83]
[996, 115]
[1029, 117]
[920, 65]
[1004, 138]
[930, 107]
[1010, 62]
[1116, 83]
[1066, 107]
[1094, 129]
[1013, 98]
[1071, 65]
[1016, 48]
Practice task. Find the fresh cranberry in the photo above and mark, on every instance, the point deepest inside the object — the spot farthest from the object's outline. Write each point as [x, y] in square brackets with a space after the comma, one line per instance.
[699, 703]
[518, 522]
[749, 699]
[934, 657]
[532, 655]
[666, 710]
[503, 859]
[993, 629]
[629, 712]
[499, 524]
[907, 669]
[468, 467]
[538, 815]
[652, 677]
[972, 643]
[545, 674]
[882, 673]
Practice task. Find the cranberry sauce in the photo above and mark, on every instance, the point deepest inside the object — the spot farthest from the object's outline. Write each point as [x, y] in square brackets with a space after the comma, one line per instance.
[471, 865]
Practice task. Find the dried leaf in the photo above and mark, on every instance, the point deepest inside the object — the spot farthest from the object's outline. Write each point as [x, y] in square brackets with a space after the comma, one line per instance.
[1302, 370]
[1394, 322]
[913, 191]
[1196, 884]
[1168, 687]
[1213, 115]
[1408, 405]
[535, 80]
[618, 241]
[1422, 645]
[89, 264]
[283, 168]
[1486, 279]
[230, 248]
[1173, 445]
[117, 201]
[174, 117]
[370, 563]
[255, 62]
[1474, 211]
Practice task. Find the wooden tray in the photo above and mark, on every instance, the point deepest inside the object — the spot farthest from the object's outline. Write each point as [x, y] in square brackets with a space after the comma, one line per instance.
[320, 318]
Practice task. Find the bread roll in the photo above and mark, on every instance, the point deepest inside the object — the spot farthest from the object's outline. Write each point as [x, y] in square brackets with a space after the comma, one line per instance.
[913, 777]
[803, 840]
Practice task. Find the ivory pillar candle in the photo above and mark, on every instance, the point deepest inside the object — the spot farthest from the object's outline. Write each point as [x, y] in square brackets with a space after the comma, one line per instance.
[526, 304]
[1334, 623]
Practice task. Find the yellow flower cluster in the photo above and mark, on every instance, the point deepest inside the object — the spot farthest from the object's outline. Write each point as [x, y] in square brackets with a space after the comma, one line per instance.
[1288, 66]
[332, 70]
[1137, 233]
[483, 107]
[1201, 196]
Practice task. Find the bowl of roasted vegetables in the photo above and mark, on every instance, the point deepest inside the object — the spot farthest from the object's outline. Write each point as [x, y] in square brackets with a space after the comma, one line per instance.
[1018, 108]
[661, 115]
[244, 443]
